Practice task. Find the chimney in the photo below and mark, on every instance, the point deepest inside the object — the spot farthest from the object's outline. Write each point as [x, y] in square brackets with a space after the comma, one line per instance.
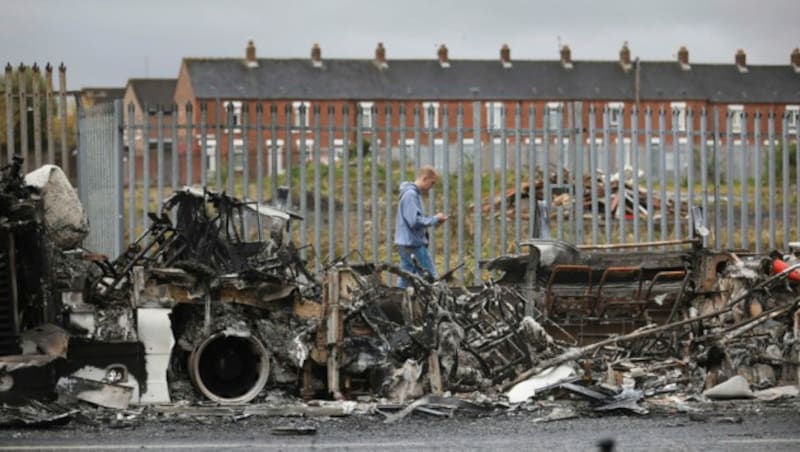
[683, 58]
[505, 56]
[380, 56]
[566, 57]
[625, 57]
[741, 60]
[796, 59]
[316, 55]
[443, 56]
[250, 54]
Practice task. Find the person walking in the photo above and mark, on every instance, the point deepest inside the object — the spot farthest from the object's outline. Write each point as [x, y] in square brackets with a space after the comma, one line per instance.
[411, 234]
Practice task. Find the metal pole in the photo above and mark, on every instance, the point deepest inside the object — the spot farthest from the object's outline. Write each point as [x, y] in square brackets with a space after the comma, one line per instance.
[62, 113]
[189, 139]
[476, 188]
[23, 117]
[578, 177]
[729, 178]
[49, 105]
[637, 202]
[757, 175]
[772, 220]
[593, 164]
[37, 116]
[517, 176]
[360, 181]
[460, 185]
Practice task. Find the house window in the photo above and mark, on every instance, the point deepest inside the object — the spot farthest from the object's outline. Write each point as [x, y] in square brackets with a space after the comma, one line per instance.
[236, 115]
[494, 115]
[338, 149]
[366, 114]
[301, 119]
[430, 114]
[210, 153]
[678, 116]
[615, 110]
[238, 155]
[736, 113]
[553, 113]
[274, 148]
[306, 146]
[792, 113]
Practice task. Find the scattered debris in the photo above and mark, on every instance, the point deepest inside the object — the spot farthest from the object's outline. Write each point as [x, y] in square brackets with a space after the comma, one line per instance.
[623, 197]
[213, 312]
[96, 392]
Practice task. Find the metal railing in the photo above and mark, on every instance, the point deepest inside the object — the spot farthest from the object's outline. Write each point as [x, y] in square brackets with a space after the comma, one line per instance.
[343, 167]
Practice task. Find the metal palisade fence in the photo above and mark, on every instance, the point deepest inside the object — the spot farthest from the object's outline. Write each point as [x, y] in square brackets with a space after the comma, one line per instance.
[508, 173]
[33, 120]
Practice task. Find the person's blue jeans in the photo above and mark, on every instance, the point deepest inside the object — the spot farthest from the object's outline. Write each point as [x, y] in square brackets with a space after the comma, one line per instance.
[423, 258]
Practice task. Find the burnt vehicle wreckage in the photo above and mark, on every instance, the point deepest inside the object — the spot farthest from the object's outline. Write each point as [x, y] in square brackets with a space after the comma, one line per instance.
[214, 302]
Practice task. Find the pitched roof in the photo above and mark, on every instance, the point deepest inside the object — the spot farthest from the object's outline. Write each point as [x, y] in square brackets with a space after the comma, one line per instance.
[154, 91]
[103, 94]
[351, 79]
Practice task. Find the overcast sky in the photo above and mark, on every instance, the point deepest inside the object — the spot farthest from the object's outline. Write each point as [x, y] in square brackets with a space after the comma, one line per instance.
[106, 42]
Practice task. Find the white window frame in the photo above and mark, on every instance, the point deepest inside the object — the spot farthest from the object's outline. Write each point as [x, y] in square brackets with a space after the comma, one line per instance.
[792, 112]
[737, 117]
[552, 113]
[238, 154]
[615, 112]
[681, 117]
[494, 115]
[268, 155]
[210, 152]
[425, 119]
[627, 151]
[309, 148]
[296, 113]
[338, 149]
[366, 114]
[237, 113]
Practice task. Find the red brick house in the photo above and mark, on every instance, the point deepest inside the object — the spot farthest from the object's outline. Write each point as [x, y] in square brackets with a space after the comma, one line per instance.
[150, 98]
[280, 88]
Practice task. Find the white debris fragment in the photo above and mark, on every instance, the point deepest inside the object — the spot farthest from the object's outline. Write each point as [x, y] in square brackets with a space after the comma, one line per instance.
[524, 390]
[733, 388]
[298, 351]
[64, 218]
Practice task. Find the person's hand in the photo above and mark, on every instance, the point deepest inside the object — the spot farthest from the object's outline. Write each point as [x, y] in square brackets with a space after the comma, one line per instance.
[441, 217]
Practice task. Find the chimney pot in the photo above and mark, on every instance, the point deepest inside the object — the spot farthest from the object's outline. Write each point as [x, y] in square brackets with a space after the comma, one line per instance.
[566, 57]
[380, 53]
[683, 58]
[505, 55]
[796, 58]
[741, 60]
[625, 54]
[250, 54]
[443, 59]
[316, 55]
[380, 56]
[625, 57]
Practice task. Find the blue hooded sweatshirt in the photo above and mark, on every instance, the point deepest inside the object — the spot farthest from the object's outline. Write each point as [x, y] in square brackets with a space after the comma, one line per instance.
[411, 221]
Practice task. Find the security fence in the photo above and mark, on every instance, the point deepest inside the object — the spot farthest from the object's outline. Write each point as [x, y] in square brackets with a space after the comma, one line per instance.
[501, 183]
[34, 118]
[507, 173]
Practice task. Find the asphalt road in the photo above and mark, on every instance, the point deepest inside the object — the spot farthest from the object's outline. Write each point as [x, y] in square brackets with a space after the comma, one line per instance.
[730, 426]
